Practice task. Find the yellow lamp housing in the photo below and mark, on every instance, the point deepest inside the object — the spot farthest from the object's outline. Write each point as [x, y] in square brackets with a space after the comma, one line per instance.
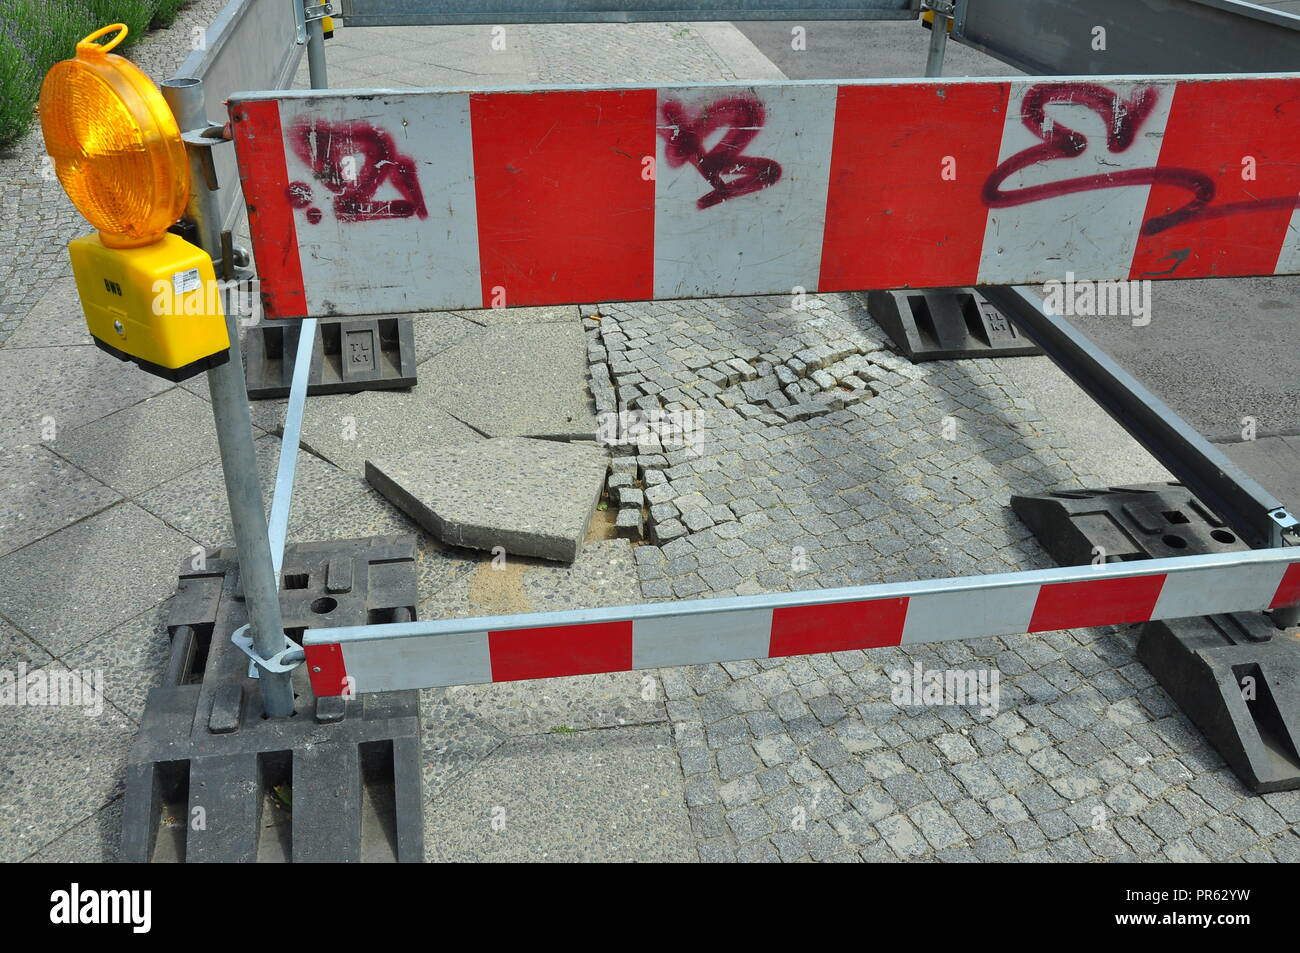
[158, 306]
[149, 296]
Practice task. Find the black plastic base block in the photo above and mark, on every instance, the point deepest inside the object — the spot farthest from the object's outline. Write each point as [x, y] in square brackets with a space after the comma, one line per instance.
[210, 779]
[350, 355]
[943, 324]
[1145, 521]
[1238, 678]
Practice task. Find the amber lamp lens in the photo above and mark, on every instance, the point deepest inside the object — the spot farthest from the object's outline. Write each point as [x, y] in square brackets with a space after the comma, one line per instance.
[115, 145]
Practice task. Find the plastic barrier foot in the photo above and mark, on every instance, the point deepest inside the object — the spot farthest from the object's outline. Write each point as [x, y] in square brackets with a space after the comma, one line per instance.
[1234, 675]
[210, 779]
[1238, 679]
[356, 354]
[945, 324]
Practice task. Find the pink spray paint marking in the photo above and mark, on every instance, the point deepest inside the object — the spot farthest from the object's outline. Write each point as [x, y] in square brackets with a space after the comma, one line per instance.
[1123, 118]
[353, 159]
[724, 167]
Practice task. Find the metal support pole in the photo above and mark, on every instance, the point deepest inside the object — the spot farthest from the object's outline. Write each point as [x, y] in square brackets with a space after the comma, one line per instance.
[942, 10]
[235, 431]
[316, 52]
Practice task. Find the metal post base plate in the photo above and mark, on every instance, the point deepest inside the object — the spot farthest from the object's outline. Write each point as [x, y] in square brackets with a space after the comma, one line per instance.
[945, 324]
[356, 354]
[1238, 679]
[210, 779]
[1235, 676]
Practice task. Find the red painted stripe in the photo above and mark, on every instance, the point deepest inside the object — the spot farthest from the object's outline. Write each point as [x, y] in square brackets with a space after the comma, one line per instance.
[1214, 125]
[1071, 605]
[564, 214]
[259, 147]
[1288, 590]
[891, 218]
[837, 627]
[326, 669]
[560, 650]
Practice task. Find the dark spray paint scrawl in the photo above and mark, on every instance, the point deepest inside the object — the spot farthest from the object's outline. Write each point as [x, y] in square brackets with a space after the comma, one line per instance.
[353, 159]
[1124, 119]
[724, 167]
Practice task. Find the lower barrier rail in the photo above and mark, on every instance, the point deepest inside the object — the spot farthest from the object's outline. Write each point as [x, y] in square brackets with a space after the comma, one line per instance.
[378, 658]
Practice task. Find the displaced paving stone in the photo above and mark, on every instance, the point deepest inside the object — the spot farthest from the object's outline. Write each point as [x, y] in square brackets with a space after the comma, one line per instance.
[531, 497]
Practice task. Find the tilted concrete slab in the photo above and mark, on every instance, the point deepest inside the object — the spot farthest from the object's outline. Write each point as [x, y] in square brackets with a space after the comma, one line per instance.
[530, 497]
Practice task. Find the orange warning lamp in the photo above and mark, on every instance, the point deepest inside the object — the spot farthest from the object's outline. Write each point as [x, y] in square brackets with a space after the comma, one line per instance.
[149, 296]
[116, 147]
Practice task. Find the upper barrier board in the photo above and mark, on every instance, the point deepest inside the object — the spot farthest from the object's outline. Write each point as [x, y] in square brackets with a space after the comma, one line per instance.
[436, 12]
[364, 202]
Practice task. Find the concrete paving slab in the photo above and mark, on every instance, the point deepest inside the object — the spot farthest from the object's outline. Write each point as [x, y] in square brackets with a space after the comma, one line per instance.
[549, 314]
[435, 331]
[132, 656]
[516, 380]
[93, 841]
[195, 502]
[55, 320]
[348, 429]
[83, 580]
[62, 764]
[146, 444]
[42, 493]
[369, 514]
[65, 387]
[577, 703]
[530, 497]
[1273, 461]
[604, 574]
[454, 741]
[612, 796]
[395, 57]
[16, 647]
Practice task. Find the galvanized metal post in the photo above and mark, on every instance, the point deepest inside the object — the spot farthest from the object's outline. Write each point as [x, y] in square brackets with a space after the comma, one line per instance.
[942, 10]
[234, 429]
[316, 50]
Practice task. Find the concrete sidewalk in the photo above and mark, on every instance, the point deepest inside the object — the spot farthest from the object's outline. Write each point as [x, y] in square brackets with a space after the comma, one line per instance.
[803, 758]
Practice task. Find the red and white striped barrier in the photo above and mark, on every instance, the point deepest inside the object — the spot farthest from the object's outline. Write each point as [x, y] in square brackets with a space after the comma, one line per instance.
[388, 201]
[379, 658]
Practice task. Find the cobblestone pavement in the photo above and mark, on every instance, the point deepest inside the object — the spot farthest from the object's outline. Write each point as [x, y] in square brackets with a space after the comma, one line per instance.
[821, 459]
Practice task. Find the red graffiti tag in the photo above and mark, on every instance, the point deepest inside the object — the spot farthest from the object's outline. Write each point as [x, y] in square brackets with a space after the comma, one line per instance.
[353, 159]
[1123, 118]
[724, 167]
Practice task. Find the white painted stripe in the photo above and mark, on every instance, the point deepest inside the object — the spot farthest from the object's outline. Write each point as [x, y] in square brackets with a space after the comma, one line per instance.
[1288, 260]
[428, 662]
[946, 616]
[1211, 591]
[714, 637]
[424, 264]
[1092, 234]
[767, 241]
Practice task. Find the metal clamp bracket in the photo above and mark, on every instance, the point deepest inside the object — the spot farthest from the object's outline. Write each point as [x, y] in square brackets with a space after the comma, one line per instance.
[1288, 527]
[317, 13]
[286, 660]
